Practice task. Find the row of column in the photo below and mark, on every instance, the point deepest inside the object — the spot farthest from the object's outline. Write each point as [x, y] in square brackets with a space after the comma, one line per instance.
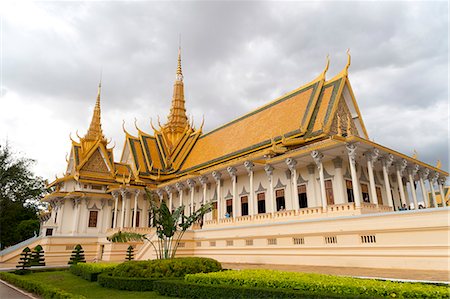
[125, 212]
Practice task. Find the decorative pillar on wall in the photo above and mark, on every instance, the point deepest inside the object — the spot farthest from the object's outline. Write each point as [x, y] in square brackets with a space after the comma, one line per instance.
[351, 149]
[136, 198]
[122, 218]
[312, 185]
[372, 157]
[387, 162]
[115, 195]
[103, 214]
[317, 157]
[233, 177]
[432, 178]
[423, 175]
[401, 166]
[411, 174]
[291, 164]
[60, 207]
[339, 179]
[180, 188]
[169, 190]
[217, 175]
[76, 206]
[204, 182]
[441, 183]
[249, 166]
[191, 184]
[269, 172]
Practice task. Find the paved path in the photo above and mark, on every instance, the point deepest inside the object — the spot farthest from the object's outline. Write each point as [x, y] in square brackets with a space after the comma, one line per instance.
[10, 292]
[421, 275]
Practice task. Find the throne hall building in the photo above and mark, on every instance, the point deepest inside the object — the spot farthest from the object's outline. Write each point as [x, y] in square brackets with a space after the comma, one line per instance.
[296, 181]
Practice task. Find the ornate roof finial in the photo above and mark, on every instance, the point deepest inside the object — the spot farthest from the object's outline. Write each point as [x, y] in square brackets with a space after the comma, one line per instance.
[344, 72]
[95, 129]
[179, 76]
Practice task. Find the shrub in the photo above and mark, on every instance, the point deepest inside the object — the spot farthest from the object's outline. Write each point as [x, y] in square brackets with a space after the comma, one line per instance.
[318, 284]
[37, 287]
[24, 261]
[130, 253]
[90, 271]
[37, 256]
[77, 255]
[126, 283]
[183, 289]
[177, 267]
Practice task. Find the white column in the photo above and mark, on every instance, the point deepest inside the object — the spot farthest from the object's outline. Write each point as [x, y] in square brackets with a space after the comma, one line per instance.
[372, 157]
[84, 214]
[387, 162]
[180, 188]
[102, 215]
[232, 173]
[217, 177]
[269, 172]
[422, 176]
[318, 160]
[76, 206]
[312, 186]
[191, 184]
[136, 197]
[351, 148]
[291, 164]
[169, 190]
[432, 181]
[400, 168]
[411, 173]
[144, 221]
[339, 180]
[251, 200]
[115, 194]
[441, 183]
[60, 214]
[122, 219]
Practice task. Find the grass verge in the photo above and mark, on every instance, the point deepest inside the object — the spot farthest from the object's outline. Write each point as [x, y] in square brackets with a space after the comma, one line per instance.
[72, 286]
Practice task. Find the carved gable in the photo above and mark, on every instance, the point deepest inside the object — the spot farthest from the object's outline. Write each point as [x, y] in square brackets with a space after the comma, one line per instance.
[343, 115]
[96, 163]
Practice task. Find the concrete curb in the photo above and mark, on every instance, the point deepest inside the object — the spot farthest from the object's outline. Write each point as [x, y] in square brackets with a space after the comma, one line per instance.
[29, 295]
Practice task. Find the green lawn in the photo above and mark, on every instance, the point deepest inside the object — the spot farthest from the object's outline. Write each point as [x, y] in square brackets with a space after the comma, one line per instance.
[68, 282]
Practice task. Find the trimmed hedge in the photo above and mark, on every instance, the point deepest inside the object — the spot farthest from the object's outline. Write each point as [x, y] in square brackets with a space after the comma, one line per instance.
[168, 268]
[126, 283]
[37, 288]
[183, 289]
[318, 284]
[90, 271]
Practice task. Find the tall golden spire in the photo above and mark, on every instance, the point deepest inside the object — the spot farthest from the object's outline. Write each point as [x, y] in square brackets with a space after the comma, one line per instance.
[95, 129]
[177, 120]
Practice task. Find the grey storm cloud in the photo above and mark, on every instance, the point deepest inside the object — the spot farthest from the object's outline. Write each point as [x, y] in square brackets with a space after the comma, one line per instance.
[236, 57]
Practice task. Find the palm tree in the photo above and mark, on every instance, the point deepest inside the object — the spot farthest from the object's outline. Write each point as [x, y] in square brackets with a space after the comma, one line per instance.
[170, 228]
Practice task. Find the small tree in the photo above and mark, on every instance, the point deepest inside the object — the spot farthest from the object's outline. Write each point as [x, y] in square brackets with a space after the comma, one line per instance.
[77, 255]
[130, 253]
[24, 260]
[37, 256]
[170, 228]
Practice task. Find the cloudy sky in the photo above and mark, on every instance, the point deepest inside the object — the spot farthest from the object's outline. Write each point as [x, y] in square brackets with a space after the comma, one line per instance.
[236, 57]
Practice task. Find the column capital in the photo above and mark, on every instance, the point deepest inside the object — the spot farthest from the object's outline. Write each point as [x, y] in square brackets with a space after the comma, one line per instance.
[249, 166]
[217, 175]
[232, 171]
[372, 155]
[401, 166]
[168, 189]
[424, 173]
[160, 193]
[351, 149]
[291, 163]
[435, 177]
[413, 170]
[190, 183]
[269, 170]
[442, 180]
[124, 192]
[115, 194]
[317, 157]
[179, 186]
[388, 160]
[203, 180]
